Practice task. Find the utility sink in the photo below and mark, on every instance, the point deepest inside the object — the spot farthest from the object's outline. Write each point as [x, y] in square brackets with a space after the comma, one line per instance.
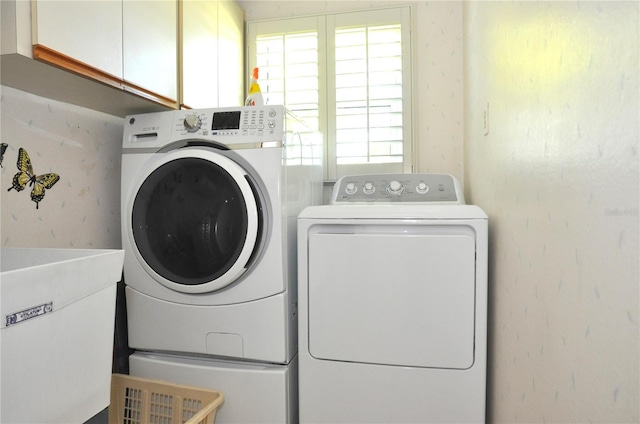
[57, 311]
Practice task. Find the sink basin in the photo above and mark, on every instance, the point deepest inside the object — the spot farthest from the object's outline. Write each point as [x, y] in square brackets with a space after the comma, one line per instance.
[57, 310]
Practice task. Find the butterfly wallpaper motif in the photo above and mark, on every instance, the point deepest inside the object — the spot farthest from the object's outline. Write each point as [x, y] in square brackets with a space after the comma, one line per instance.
[25, 175]
[60, 175]
[3, 148]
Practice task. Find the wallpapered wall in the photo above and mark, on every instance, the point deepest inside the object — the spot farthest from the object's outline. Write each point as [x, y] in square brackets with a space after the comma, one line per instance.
[558, 175]
[81, 210]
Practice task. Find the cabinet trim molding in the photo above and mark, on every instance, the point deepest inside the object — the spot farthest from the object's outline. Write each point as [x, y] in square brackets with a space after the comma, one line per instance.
[65, 62]
[60, 60]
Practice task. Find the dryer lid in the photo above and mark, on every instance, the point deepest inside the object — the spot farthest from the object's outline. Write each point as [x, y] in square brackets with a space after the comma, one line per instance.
[399, 211]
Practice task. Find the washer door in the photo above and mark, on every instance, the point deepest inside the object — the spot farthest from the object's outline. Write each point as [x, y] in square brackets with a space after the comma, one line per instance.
[195, 220]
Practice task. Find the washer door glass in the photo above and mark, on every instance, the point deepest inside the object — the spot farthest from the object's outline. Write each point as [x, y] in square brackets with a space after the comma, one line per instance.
[194, 223]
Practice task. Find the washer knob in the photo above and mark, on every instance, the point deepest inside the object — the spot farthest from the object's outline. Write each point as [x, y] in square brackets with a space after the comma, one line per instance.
[422, 188]
[350, 188]
[192, 123]
[395, 188]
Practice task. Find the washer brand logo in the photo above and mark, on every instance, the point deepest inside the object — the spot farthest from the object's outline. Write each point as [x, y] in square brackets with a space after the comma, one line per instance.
[34, 312]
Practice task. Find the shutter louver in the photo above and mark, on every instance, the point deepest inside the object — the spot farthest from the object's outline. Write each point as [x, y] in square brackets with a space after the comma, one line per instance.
[369, 95]
[289, 73]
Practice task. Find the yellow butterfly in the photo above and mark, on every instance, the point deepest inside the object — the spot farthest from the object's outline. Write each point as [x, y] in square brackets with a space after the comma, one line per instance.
[3, 148]
[26, 175]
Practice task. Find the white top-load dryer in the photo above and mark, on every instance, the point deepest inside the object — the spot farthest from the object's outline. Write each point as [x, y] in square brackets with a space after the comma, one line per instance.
[393, 303]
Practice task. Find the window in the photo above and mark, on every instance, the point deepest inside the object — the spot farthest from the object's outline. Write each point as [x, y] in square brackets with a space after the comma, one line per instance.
[347, 75]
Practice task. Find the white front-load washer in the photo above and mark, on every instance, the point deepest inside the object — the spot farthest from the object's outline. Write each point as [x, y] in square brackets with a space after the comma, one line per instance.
[393, 303]
[210, 199]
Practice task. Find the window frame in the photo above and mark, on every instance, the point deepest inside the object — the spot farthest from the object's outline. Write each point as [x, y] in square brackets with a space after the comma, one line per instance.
[325, 25]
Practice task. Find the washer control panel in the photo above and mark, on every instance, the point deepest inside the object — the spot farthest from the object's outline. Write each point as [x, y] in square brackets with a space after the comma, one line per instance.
[235, 127]
[249, 122]
[394, 188]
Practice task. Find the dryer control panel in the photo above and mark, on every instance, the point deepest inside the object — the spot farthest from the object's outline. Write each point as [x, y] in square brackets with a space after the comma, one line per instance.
[395, 188]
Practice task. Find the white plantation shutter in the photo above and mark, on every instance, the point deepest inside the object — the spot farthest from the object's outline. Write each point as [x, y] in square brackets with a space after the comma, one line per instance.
[368, 70]
[288, 66]
[346, 75]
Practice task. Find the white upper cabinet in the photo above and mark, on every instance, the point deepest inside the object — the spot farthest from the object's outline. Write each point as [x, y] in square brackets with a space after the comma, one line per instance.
[89, 31]
[212, 54]
[199, 54]
[231, 53]
[150, 46]
[146, 55]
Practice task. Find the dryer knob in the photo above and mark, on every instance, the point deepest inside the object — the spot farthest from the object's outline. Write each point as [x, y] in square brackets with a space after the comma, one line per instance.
[395, 188]
[422, 188]
[192, 123]
[351, 188]
[369, 188]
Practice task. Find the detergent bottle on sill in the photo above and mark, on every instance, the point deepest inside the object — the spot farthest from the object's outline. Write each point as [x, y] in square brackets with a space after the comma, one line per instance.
[255, 95]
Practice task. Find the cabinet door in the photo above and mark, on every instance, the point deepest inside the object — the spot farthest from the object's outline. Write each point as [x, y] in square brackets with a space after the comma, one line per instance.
[89, 31]
[150, 46]
[199, 54]
[230, 53]
[212, 54]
